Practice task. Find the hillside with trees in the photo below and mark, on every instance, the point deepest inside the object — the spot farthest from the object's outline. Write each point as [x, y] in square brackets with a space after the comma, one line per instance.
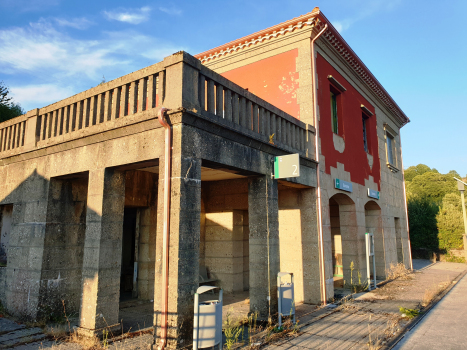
[8, 108]
[435, 210]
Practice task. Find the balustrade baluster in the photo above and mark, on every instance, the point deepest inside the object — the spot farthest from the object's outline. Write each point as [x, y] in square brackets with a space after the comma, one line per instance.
[211, 98]
[18, 134]
[219, 100]
[107, 106]
[202, 92]
[132, 97]
[262, 121]
[255, 117]
[87, 110]
[13, 136]
[6, 139]
[100, 108]
[142, 88]
[228, 104]
[151, 92]
[235, 108]
[249, 115]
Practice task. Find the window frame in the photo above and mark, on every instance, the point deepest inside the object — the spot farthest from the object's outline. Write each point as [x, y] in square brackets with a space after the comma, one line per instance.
[391, 149]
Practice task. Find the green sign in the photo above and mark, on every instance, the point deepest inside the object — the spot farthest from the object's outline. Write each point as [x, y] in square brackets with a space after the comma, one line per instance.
[343, 185]
[373, 194]
[287, 166]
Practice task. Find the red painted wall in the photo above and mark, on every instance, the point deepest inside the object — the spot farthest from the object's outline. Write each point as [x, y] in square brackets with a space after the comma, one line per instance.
[274, 79]
[350, 128]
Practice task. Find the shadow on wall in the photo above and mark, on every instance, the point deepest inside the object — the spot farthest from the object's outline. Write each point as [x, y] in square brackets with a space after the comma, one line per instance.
[65, 245]
[45, 246]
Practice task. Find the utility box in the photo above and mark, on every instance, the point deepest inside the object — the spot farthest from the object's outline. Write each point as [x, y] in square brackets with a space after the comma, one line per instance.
[207, 323]
[285, 295]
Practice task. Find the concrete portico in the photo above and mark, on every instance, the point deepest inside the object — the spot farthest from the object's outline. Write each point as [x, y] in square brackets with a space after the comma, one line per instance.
[97, 201]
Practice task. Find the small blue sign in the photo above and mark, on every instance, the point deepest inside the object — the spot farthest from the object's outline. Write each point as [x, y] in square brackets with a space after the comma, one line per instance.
[343, 185]
[373, 194]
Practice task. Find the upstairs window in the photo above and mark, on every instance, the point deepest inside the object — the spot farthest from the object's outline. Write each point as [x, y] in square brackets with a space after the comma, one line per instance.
[391, 152]
[390, 146]
[335, 89]
[335, 123]
[365, 140]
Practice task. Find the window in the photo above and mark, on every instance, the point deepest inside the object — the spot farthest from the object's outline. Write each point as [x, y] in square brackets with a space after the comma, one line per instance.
[391, 152]
[390, 147]
[365, 138]
[336, 89]
[334, 113]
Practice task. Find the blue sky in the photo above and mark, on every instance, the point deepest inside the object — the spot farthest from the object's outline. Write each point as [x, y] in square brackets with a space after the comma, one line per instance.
[417, 49]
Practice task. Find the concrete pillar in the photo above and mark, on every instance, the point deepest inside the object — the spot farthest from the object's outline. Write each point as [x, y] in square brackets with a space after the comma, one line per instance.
[264, 245]
[62, 259]
[184, 241]
[26, 247]
[373, 224]
[102, 250]
[398, 233]
[299, 242]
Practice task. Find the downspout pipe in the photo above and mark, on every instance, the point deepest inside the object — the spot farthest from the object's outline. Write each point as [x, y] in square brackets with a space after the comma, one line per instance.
[318, 185]
[166, 232]
[406, 209]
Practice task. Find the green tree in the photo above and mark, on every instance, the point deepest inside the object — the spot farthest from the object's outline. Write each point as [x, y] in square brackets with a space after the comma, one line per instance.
[431, 185]
[450, 223]
[422, 223]
[415, 170]
[8, 109]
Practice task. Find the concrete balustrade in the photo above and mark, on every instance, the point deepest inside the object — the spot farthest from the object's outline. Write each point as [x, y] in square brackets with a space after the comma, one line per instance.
[134, 98]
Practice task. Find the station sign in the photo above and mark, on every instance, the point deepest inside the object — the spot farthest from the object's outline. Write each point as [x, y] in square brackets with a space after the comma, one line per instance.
[373, 194]
[343, 185]
[287, 166]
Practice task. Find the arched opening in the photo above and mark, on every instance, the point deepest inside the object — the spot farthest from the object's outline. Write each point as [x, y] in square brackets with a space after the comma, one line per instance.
[374, 225]
[346, 260]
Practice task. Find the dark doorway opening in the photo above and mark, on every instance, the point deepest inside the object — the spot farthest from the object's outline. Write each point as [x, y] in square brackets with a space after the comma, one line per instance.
[127, 276]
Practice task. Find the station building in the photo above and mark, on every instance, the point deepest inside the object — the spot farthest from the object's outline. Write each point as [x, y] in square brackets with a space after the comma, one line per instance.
[86, 206]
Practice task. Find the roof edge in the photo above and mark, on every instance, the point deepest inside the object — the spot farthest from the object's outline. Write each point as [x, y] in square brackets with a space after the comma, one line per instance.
[317, 19]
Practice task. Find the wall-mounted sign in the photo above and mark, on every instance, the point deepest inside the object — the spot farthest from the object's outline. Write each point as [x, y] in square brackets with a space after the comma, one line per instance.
[287, 166]
[373, 194]
[343, 185]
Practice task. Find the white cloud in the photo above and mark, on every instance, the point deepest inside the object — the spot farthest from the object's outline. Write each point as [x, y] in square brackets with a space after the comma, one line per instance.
[368, 8]
[29, 5]
[36, 96]
[40, 47]
[134, 16]
[171, 11]
[77, 23]
[63, 65]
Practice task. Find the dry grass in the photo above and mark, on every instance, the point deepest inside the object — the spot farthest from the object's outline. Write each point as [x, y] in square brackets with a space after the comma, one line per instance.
[58, 332]
[398, 271]
[432, 292]
[378, 340]
[88, 343]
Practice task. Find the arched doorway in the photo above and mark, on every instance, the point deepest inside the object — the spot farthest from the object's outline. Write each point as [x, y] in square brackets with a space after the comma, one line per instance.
[346, 256]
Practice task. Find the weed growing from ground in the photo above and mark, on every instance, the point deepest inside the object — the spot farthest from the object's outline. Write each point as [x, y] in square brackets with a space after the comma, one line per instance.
[409, 313]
